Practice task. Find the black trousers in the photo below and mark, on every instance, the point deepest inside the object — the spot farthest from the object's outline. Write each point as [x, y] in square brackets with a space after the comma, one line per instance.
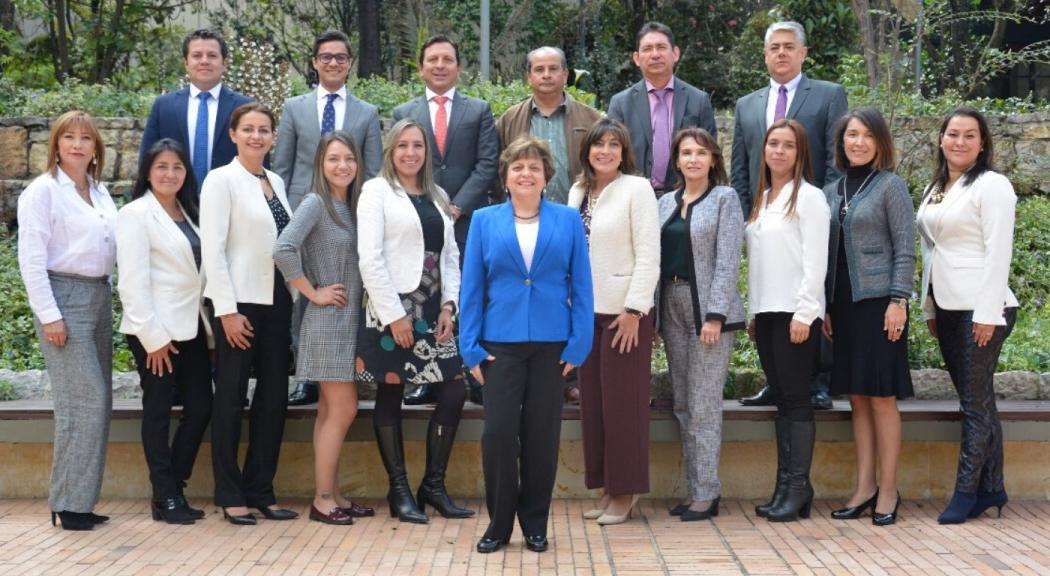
[170, 465]
[519, 448]
[268, 356]
[972, 369]
[788, 367]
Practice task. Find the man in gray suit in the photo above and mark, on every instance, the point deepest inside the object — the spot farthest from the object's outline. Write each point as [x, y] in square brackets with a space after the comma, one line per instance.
[304, 119]
[462, 136]
[660, 105]
[817, 105]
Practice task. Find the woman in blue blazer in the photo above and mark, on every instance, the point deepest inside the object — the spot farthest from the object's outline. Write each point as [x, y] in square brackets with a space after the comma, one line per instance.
[526, 307]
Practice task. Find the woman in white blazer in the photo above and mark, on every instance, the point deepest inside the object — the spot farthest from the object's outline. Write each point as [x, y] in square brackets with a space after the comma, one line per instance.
[243, 209]
[787, 248]
[410, 269]
[620, 221]
[966, 226]
[159, 255]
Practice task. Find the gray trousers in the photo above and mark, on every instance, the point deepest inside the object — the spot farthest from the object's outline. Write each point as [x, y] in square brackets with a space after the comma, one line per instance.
[81, 374]
[698, 376]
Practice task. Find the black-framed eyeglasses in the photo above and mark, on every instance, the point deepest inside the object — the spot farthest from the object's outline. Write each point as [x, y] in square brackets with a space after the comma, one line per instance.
[326, 58]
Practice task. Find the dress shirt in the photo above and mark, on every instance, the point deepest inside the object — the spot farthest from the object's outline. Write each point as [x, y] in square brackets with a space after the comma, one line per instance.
[552, 130]
[527, 233]
[774, 91]
[653, 101]
[60, 232]
[191, 118]
[788, 255]
[339, 105]
[433, 106]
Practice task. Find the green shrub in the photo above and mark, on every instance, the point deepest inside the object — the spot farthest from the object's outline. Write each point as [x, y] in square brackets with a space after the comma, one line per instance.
[7, 391]
[101, 100]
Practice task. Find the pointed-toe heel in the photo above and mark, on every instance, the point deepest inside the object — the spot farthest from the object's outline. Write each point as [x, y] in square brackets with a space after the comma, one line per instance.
[72, 521]
[986, 500]
[241, 520]
[959, 508]
[879, 519]
[678, 510]
[607, 519]
[694, 515]
[854, 512]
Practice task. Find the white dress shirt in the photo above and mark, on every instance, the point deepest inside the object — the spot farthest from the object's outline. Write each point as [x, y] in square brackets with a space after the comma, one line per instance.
[60, 232]
[527, 233]
[433, 106]
[339, 105]
[788, 255]
[191, 116]
[774, 93]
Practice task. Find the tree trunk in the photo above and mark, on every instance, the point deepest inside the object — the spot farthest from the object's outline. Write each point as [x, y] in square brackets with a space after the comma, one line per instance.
[58, 33]
[7, 22]
[862, 9]
[369, 51]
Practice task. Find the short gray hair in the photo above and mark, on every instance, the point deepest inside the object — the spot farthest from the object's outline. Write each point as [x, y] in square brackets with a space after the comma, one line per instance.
[545, 50]
[788, 26]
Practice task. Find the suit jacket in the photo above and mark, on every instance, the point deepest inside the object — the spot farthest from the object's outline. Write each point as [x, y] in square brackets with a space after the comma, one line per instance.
[967, 245]
[468, 167]
[390, 249]
[237, 237]
[159, 284]
[167, 119]
[692, 107]
[817, 105]
[579, 118]
[299, 133]
[502, 301]
[624, 244]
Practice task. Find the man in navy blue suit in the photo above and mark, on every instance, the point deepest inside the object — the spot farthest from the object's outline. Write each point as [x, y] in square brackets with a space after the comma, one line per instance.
[178, 114]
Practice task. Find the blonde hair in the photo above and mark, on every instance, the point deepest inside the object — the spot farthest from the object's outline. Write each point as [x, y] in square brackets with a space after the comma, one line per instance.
[65, 123]
[425, 176]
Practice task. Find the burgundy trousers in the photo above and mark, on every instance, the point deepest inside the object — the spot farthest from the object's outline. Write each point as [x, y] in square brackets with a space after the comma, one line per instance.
[614, 406]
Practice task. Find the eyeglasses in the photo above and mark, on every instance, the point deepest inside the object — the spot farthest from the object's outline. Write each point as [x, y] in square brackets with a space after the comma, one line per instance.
[327, 58]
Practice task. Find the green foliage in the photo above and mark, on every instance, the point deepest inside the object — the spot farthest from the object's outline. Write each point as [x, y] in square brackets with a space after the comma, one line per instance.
[831, 33]
[1030, 268]
[100, 100]
[7, 391]
[747, 63]
[388, 95]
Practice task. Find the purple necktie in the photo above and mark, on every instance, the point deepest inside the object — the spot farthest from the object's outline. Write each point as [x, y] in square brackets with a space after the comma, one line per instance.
[782, 104]
[661, 139]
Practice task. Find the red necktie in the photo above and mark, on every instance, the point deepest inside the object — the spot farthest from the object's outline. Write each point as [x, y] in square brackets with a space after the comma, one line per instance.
[441, 123]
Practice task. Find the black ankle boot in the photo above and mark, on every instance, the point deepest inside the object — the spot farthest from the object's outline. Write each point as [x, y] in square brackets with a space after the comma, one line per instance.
[783, 449]
[432, 490]
[392, 451]
[958, 509]
[171, 510]
[799, 498]
[73, 521]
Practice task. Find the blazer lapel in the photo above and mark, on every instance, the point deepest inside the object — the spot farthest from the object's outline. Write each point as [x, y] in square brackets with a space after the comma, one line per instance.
[641, 104]
[172, 229]
[759, 110]
[459, 105]
[680, 100]
[421, 113]
[311, 125]
[182, 103]
[544, 235]
[505, 226]
[222, 117]
[801, 92]
[348, 114]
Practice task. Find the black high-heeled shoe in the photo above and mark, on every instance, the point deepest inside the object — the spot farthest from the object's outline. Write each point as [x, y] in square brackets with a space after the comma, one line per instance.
[277, 513]
[879, 519]
[679, 509]
[854, 512]
[241, 520]
[986, 500]
[694, 515]
[72, 521]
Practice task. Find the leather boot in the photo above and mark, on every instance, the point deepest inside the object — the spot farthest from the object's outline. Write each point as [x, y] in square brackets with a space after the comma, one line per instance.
[764, 397]
[432, 489]
[799, 498]
[423, 394]
[392, 451]
[783, 449]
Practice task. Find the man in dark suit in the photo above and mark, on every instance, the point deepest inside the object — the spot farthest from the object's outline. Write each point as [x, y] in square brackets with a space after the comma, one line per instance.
[659, 105]
[304, 119]
[462, 135]
[178, 115]
[817, 105]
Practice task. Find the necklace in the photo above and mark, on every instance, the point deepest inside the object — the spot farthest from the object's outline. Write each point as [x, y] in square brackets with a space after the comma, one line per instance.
[847, 198]
[592, 201]
[527, 218]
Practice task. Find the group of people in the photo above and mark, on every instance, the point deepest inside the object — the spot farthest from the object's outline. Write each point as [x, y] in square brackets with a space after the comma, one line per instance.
[605, 232]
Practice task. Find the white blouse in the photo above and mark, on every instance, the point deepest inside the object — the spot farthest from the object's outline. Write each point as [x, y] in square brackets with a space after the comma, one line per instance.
[527, 233]
[58, 231]
[788, 255]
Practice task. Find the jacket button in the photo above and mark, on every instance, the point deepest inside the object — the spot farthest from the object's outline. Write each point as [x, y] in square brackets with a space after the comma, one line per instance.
[528, 282]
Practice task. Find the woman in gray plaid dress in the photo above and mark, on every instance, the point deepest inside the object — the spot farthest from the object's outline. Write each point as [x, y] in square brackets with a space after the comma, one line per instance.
[317, 254]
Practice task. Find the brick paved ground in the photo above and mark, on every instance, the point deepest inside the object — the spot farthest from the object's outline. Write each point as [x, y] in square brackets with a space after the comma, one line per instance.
[653, 543]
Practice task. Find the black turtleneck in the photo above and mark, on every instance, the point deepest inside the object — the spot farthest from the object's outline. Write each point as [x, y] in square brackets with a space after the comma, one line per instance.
[855, 177]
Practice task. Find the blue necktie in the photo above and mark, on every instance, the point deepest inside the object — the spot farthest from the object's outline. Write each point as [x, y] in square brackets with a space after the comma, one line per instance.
[328, 118]
[200, 140]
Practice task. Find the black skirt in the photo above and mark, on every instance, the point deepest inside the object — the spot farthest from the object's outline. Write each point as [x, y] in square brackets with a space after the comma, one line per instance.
[866, 363]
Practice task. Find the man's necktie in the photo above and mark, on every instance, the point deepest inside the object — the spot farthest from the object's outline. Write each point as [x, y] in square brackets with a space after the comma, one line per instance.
[661, 138]
[441, 123]
[200, 140]
[328, 118]
[782, 104]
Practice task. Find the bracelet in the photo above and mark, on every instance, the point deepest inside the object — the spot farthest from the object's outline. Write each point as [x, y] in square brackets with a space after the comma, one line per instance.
[902, 302]
[633, 312]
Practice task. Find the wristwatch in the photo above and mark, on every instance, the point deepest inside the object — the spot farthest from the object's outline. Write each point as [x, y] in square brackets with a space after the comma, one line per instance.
[902, 302]
[633, 312]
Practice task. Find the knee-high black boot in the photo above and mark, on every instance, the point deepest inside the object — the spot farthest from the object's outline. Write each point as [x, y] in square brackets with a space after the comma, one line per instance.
[392, 451]
[799, 498]
[783, 449]
[432, 489]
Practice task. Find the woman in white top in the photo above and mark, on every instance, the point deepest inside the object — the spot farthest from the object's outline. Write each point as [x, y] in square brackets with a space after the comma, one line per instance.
[243, 210]
[623, 235]
[966, 223]
[787, 246]
[159, 254]
[410, 269]
[66, 253]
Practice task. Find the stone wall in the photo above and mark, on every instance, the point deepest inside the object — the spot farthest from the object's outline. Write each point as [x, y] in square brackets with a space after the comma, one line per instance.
[1022, 146]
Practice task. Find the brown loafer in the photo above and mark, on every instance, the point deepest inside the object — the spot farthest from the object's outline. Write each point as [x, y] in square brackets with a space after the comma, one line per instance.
[337, 516]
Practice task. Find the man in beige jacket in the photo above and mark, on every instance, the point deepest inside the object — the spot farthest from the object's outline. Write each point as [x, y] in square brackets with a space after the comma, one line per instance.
[550, 114]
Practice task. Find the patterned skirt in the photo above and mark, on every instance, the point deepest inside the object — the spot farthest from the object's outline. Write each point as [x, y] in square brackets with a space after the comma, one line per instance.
[381, 361]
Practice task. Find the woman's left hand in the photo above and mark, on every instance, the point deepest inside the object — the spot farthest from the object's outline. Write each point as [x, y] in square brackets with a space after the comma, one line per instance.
[567, 367]
[444, 325]
[982, 333]
[798, 332]
[894, 321]
[626, 337]
[711, 332]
